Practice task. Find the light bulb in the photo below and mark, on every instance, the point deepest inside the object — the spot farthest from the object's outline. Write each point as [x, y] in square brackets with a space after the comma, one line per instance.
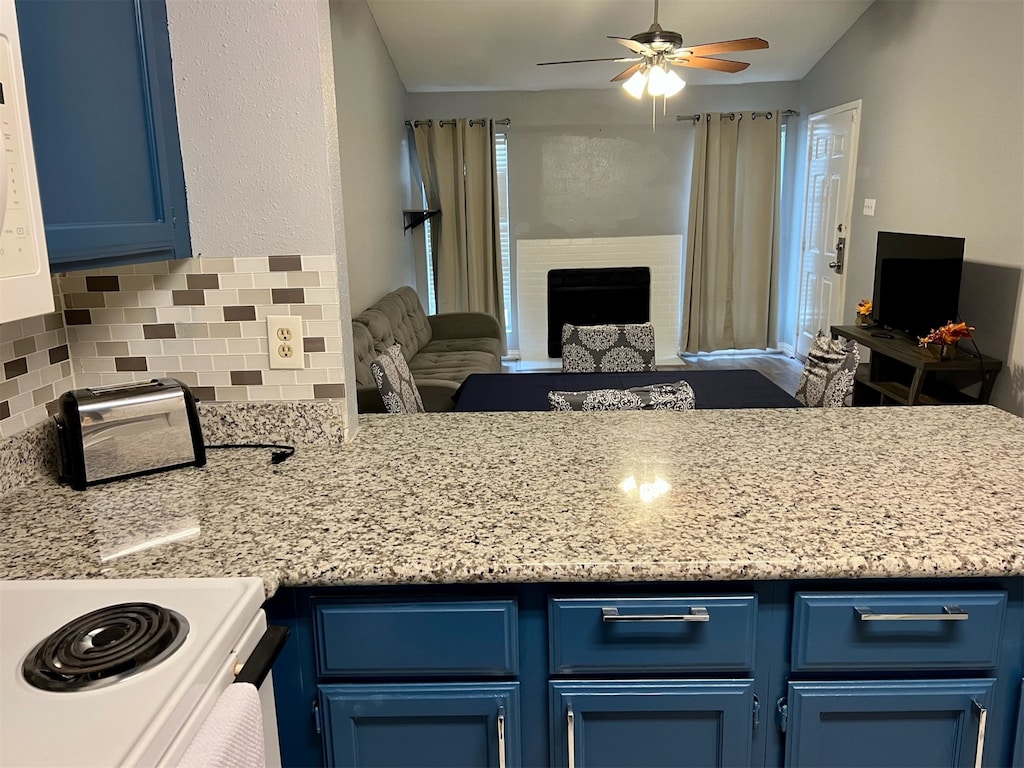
[673, 84]
[635, 85]
[656, 81]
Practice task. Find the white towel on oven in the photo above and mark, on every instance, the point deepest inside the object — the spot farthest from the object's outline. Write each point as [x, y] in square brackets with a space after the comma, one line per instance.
[232, 734]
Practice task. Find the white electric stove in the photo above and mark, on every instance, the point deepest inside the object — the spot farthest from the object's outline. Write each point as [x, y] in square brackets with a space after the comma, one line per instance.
[116, 712]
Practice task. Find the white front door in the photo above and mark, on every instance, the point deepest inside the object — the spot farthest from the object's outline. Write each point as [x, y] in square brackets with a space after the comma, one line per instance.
[828, 208]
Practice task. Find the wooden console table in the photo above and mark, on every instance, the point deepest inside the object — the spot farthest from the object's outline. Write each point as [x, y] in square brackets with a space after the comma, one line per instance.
[900, 371]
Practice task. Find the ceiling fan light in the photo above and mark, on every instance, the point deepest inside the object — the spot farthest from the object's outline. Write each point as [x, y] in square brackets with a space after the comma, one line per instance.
[635, 85]
[656, 81]
[673, 84]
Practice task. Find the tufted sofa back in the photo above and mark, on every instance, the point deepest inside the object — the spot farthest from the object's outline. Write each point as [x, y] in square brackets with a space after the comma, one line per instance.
[397, 317]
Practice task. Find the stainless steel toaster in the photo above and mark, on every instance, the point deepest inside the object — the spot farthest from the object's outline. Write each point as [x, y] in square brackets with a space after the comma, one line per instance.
[108, 433]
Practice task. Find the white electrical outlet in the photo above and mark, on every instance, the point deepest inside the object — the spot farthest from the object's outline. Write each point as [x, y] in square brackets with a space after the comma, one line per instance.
[284, 335]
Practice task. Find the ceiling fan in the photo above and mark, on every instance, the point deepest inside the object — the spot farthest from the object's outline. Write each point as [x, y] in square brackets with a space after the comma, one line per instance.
[658, 48]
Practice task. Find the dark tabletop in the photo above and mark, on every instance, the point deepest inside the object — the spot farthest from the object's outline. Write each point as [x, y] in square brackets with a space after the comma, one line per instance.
[529, 391]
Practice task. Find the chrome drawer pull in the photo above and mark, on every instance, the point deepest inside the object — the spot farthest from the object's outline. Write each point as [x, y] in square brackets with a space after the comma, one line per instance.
[570, 729]
[979, 750]
[501, 737]
[697, 613]
[950, 613]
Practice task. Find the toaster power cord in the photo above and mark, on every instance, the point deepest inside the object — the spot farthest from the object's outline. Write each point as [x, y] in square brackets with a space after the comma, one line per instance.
[281, 452]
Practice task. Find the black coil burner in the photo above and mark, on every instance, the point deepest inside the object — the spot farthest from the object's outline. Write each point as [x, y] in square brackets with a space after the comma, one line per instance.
[105, 646]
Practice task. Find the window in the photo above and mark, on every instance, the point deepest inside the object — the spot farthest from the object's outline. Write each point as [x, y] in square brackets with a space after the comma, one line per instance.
[504, 232]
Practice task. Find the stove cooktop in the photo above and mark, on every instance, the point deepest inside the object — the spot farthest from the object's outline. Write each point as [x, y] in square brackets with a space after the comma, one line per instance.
[130, 721]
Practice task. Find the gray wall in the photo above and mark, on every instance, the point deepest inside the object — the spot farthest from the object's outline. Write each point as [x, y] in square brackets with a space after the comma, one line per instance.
[941, 150]
[374, 156]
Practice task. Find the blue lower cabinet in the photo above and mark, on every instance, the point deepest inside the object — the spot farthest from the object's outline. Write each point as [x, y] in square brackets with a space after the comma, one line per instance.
[421, 725]
[895, 724]
[652, 724]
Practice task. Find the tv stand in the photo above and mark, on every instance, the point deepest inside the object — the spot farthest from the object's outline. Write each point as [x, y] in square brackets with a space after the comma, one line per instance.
[902, 372]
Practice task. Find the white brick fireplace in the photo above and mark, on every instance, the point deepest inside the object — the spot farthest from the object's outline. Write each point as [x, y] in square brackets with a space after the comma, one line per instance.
[662, 254]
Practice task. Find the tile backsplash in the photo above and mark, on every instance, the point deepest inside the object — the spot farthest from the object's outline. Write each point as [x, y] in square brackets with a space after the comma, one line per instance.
[35, 368]
[200, 320]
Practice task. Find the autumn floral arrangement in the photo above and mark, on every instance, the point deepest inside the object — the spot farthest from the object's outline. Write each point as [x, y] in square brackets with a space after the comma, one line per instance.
[947, 336]
[864, 307]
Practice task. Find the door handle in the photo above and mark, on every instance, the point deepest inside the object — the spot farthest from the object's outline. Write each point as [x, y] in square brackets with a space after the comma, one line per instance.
[840, 261]
[501, 737]
[697, 613]
[949, 613]
[570, 729]
[979, 749]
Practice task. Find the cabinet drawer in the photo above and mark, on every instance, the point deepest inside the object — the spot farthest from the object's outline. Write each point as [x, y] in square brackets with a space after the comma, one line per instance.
[418, 638]
[897, 630]
[652, 634]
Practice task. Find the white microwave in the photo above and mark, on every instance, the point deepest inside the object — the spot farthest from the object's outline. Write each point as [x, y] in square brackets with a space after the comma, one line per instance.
[24, 268]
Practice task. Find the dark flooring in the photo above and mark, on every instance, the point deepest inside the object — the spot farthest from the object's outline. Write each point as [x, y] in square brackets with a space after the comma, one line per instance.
[781, 369]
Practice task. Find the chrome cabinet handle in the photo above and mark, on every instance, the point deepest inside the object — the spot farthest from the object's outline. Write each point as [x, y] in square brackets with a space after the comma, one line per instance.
[501, 737]
[949, 613]
[570, 729]
[979, 750]
[697, 613]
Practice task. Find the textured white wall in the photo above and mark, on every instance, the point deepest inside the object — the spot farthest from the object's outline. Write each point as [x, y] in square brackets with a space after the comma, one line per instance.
[374, 156]
[941, 150]
[250, 113]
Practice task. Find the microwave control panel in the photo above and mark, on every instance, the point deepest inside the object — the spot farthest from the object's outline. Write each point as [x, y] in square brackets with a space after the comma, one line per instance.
[18, 254]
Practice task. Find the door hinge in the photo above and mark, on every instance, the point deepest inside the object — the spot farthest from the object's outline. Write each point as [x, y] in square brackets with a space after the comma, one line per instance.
[316, 718]
[174, 217]
[757, 711]
[782, 714]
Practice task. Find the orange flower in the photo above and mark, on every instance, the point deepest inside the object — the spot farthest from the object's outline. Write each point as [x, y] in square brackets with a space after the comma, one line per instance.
[864, 307]
[950, 333]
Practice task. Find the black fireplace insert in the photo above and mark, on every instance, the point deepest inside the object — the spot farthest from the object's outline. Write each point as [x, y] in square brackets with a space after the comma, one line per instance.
[594, 297]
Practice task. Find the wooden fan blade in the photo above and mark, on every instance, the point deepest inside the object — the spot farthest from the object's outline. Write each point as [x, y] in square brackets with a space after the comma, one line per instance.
[721, 65]
[580, 61]
[633, 45]
[726, 46]
[627, 73]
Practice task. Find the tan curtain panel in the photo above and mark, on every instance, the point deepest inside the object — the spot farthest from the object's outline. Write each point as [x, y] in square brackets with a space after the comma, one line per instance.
[733, 238]
[457, 162]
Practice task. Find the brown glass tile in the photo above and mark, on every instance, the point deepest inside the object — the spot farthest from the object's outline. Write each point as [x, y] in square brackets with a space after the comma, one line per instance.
[190, 298]
[23, 347]
[158, 331]
[246, 377]
[5, 410]
[202, 281]
[102, 283]
[204, 394]
[53, 321]
[59, 354]
[239, 313]
[314, 344]
[285, 263]
[14, 368]
[9, 390]
[77, 317]
[328, 390]
[288, 295]
[130, 364]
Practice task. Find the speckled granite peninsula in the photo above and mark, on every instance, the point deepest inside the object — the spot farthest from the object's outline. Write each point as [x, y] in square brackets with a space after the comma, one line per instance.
[538, 497]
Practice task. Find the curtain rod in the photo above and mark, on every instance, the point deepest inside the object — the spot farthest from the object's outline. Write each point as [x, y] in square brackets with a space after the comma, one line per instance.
[695, 118]
[481, 121]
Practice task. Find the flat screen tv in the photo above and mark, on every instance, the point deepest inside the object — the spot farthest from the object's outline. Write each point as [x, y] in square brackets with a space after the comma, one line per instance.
[917, 281]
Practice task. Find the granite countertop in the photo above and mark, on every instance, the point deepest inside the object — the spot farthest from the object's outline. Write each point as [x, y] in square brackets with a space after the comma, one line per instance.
[538, 497]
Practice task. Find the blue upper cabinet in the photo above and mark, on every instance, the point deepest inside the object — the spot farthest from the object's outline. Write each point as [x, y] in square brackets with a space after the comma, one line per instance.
[101, 102]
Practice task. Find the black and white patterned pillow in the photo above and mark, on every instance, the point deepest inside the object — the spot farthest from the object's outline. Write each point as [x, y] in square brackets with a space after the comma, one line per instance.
[607, 348]
[677, 396]
[828, 375]
[395, 383]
